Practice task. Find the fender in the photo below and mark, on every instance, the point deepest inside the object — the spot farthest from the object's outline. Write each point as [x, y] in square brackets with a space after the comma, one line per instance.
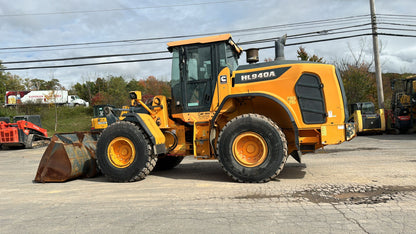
[150, 128]
[295, 127]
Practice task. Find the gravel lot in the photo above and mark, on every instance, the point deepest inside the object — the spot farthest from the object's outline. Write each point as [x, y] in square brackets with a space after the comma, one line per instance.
[367, 185]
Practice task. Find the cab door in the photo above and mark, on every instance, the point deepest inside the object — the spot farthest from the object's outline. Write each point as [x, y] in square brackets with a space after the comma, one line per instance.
[198, 74]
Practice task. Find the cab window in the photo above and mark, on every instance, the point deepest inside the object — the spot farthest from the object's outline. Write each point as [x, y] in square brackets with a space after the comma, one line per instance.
[198, 75]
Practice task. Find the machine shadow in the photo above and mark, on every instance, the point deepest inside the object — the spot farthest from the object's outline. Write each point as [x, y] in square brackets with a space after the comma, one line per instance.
[211, 171]
[200, 170]
[292, 171]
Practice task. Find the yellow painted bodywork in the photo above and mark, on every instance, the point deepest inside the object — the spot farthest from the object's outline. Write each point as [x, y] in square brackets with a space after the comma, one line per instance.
[359, 125]
[201, 148]
[332, 134]
[204, 40]
[153, 128]
[160, 111]
[275, 99]
[99, 123]
[283, 90]
[256, 97]
[383, 119]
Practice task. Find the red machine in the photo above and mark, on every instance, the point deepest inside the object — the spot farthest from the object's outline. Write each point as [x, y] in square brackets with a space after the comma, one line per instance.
[23, 132]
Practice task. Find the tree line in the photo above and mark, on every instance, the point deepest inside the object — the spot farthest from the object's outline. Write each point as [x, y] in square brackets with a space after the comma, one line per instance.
[112, 90]
[359, 83]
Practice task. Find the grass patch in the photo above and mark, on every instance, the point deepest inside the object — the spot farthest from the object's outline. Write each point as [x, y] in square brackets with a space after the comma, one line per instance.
[69, 119]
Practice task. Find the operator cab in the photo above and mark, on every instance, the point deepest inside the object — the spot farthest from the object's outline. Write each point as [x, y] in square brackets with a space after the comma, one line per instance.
[196, 64]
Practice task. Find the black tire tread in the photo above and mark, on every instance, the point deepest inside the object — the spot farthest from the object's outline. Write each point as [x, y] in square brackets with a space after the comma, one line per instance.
[151, 157]
[281, 134]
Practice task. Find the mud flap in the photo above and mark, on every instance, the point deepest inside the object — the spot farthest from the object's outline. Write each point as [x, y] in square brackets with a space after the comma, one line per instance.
[68, 156]
[297, 155]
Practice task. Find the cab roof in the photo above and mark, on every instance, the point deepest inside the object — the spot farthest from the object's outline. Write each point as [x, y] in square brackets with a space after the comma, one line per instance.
[205, 40]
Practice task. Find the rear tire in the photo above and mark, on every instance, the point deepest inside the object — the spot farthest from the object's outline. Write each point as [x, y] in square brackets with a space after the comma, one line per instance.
[252, 148]
[124, 153]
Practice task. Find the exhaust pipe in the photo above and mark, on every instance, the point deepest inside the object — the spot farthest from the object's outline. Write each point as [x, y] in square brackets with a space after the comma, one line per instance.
[252, 55]
[279, 47]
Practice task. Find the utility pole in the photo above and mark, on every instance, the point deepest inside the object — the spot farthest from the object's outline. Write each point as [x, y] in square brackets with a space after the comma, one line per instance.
[379, 78]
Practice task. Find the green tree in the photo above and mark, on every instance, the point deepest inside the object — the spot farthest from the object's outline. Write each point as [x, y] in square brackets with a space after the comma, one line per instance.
[304, 56]
[9, 82]
[152, 86]
[100, 85]
[114, 89]
[3, 87]
[117, 91]
[359, 82]
[134, 85]
[53, 84]
[85, 91]
[37, 84]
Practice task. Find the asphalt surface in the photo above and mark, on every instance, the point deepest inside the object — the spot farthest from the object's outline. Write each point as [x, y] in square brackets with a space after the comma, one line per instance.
[367, 185]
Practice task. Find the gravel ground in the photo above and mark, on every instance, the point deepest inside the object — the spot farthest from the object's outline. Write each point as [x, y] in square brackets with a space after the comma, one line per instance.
[363, 186]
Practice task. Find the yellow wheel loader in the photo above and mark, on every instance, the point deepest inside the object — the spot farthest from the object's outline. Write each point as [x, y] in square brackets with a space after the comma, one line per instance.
[249, 117]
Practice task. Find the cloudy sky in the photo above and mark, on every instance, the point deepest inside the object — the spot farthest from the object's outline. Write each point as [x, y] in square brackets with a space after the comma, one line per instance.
[28, 23]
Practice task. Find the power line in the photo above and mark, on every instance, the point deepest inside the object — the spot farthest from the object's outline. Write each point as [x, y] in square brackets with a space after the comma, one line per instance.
[396, 35]
[398, 24]
[84, 57]
[317, 33]
[304, 35]
[398, 29]
[156, 59]
[166, 58]
[86, 64]
[314, 22]
[295, 36]
[158, 52]
[322, 40]
[397, 15]
[239, 33]
[119, 9]
[82, 48]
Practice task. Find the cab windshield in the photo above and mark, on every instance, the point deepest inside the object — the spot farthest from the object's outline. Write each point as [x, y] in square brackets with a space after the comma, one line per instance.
[195, 70]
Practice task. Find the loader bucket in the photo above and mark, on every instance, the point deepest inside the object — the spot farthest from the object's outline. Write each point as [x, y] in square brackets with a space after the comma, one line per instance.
[68, 156]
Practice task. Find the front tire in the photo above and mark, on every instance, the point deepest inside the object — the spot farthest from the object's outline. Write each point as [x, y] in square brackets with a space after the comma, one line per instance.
[124, 153]
[252, 148]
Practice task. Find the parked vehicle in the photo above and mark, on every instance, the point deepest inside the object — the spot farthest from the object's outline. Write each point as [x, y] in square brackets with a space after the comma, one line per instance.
[366, 118]
[24, 130]
[403, 104]
[60, 97]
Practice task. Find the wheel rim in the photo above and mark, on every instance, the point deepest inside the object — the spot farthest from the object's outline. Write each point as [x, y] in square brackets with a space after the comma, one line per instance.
[249, 149]
[121, 152]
